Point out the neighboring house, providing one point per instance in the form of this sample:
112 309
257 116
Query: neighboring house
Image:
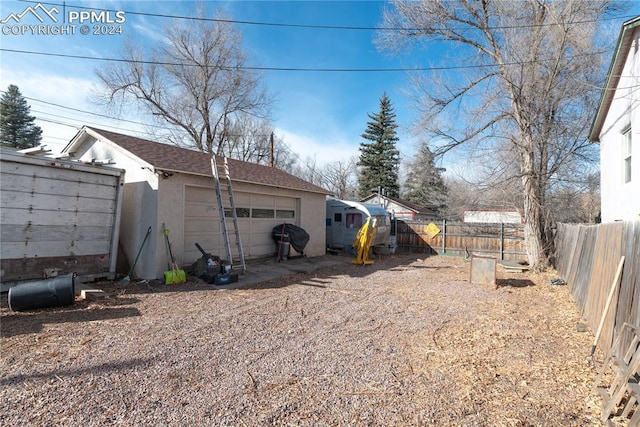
494 216
402 209
616 126
173 185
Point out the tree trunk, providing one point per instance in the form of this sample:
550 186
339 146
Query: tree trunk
534 235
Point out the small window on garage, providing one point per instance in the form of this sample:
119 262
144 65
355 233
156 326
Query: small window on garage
262 213
337 217
242 212
285 213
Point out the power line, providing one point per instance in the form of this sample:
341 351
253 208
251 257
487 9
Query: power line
57 122
55 137
85 112
286 69
92 113
297 69
312 26
97 125
234 135
134 61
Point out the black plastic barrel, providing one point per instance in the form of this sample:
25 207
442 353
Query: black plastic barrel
54 292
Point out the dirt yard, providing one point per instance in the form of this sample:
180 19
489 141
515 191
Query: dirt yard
405 341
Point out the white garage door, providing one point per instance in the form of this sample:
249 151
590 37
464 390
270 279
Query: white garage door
257 215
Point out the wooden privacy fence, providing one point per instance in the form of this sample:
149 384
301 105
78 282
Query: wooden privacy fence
587 259
500 241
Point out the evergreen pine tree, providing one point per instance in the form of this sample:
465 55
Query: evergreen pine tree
379 158
17 127
424 184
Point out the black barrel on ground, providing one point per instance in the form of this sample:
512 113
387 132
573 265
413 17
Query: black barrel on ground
54 292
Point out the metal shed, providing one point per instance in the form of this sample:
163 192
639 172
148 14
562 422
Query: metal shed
57 217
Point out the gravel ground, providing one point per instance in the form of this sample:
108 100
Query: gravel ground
405 341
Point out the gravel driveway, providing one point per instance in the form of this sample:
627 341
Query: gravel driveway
405 341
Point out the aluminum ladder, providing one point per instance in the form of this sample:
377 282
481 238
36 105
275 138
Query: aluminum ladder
223 216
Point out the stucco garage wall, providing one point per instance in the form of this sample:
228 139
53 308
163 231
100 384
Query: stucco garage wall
140 195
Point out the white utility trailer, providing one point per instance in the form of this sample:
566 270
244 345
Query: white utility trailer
344 219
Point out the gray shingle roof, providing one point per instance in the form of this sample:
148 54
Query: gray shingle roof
183 160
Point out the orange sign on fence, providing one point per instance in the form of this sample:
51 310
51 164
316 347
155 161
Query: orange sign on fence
432 230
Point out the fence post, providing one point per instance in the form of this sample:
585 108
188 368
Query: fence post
501 241
444 236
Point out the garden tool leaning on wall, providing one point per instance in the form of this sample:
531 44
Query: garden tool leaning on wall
127 278
173 275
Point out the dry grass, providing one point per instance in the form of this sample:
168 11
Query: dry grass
403 342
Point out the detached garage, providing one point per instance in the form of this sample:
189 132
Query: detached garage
173 185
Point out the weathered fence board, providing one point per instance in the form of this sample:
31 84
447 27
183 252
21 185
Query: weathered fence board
608 246
500 241
587 258
580 269
628 309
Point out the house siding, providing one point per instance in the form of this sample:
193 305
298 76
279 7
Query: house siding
620 200
493 217
400 211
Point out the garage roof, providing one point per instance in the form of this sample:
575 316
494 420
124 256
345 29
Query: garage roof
171 158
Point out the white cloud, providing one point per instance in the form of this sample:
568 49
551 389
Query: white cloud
68 90
150 32
331 149
61 105
58 125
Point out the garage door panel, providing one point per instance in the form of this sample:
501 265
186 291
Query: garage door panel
262 240
242 199
202 225
209 243
285 203
200 194
262 201
193 209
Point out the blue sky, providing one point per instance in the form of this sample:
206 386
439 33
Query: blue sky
318 114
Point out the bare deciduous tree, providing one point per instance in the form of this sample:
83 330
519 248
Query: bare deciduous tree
341 178
530 86
196 80
253 139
